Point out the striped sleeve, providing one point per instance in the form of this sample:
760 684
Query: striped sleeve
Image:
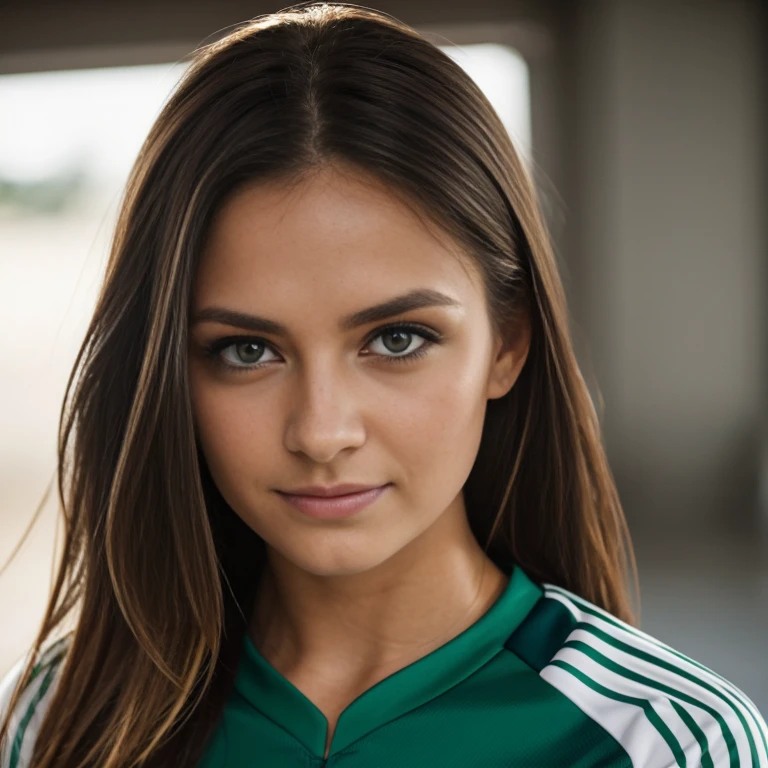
662 707
27 716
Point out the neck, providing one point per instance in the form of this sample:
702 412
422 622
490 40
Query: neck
369 624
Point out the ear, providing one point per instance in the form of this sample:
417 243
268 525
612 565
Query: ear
509 357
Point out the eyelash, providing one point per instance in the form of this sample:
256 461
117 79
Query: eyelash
430 337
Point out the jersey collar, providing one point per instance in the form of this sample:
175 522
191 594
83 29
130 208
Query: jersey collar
419 682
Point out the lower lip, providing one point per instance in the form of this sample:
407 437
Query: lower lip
334 507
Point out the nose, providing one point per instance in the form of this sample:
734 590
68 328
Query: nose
325 418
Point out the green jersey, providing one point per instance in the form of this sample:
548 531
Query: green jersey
543 678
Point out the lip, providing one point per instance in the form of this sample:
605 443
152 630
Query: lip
342 505
331 490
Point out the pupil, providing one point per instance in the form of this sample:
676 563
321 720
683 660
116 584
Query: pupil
405 340
248 352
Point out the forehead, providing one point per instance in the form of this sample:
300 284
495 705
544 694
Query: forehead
336 236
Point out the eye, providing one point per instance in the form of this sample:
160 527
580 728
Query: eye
397 341
242 353
246 353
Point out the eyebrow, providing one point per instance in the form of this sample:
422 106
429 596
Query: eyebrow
417 299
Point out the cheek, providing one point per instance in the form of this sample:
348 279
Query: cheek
435 432
236 436
425 434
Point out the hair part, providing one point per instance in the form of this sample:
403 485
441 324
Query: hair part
148 670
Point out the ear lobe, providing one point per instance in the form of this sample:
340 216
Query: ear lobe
510 359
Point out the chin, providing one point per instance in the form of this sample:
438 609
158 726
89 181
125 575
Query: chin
329 559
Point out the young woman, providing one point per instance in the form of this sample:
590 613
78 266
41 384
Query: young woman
333 485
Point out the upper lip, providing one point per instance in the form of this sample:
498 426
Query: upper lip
330 490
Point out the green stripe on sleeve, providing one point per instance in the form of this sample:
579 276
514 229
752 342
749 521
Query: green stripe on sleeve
645 705
693 727
16 749
737 694
604 661
655 660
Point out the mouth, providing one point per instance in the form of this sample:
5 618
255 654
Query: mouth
334 507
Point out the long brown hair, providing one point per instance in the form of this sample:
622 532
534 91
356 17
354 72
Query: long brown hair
161 572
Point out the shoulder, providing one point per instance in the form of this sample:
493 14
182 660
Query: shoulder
664 708
30 709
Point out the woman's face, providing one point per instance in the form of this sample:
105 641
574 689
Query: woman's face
324 402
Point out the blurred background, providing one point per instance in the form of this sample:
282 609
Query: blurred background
644 125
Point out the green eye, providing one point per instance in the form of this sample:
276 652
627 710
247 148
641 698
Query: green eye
239 353
242 354
248 352
402 340
398 340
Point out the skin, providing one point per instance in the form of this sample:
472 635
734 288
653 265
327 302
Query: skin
345 603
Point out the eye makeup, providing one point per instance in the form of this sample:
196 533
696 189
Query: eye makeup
215 350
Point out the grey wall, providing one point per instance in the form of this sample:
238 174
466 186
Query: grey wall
670 249
664 245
